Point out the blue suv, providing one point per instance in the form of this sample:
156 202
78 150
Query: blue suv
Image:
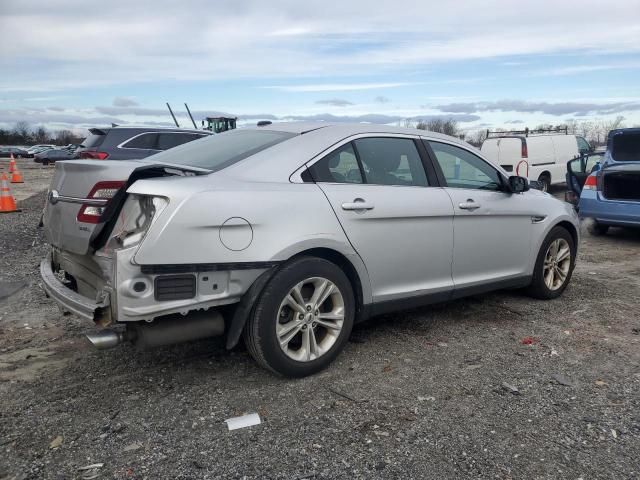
610 192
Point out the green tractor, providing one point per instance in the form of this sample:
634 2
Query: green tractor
220 124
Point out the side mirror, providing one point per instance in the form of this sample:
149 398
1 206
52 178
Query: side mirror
518 184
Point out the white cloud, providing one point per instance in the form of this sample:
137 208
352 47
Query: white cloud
167 40
337 87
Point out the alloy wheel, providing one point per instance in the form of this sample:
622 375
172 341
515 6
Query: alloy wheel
557 262
310 319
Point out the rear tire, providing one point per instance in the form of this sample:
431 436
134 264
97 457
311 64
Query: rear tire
597 229
554 265
286 308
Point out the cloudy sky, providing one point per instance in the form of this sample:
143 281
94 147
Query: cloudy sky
73 63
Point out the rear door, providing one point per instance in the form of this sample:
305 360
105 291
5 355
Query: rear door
398 222
492 228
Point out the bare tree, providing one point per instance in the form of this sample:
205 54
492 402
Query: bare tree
21 132
41 135
476 138
447 126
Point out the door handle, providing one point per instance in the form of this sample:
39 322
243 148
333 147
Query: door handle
470 204
358 204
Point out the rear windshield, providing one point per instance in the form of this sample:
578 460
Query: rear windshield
93 140
220 150
626 147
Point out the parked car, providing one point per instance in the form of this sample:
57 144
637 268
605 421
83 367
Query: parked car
610 195
6 152
53 155
535 154
40 146
289 233
126 143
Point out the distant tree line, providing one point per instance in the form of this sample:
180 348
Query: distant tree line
23 134
595 131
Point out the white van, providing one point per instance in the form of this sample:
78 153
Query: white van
534 154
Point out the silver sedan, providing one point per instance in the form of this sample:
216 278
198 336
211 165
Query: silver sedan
288 234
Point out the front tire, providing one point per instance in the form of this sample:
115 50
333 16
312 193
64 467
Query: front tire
554 265
303 318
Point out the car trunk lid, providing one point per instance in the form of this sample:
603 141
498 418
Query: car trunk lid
67 227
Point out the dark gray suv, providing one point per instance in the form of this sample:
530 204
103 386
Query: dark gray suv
127 143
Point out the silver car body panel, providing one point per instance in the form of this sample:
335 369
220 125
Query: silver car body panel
416 241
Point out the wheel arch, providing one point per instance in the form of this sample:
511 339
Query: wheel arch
342 262
354 270
571 228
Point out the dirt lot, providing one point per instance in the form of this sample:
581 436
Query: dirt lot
424 394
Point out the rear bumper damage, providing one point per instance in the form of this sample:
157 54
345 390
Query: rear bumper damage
107 289
70 300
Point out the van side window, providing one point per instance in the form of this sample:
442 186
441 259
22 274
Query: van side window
583 145
463 169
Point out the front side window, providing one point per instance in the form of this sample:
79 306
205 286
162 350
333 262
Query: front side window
391 161
340 166
145 141
463 169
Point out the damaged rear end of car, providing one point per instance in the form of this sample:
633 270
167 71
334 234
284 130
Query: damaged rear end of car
95 225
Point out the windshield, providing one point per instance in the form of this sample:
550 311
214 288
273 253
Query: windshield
626 147
223 149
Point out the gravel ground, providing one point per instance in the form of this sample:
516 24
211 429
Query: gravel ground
495 386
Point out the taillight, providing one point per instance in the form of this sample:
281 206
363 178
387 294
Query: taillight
101 190
591 183
524 152
93 155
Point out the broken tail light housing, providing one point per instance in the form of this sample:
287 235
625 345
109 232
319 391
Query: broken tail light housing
101 190
93 155
134 219
591 183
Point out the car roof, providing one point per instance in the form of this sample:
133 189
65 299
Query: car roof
143 128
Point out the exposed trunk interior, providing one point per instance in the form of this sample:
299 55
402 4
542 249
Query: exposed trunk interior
622 186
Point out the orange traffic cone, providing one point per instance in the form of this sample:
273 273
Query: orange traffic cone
7 202
16 176
12 164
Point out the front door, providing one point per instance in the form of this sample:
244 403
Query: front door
492 228
401 227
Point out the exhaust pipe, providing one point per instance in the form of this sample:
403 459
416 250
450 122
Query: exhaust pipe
165 331
106 339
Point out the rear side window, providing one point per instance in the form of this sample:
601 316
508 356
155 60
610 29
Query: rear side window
626 147
169 139
145 141
391 161
340 166
223 149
